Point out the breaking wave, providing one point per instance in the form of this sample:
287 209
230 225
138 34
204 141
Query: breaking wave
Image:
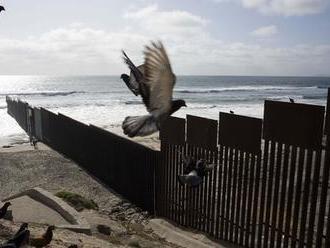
49 93
244 88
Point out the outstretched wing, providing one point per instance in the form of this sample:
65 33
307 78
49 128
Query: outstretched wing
134 84
159 79
133 79
136 76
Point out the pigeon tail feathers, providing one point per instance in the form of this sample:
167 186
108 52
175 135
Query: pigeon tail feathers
139 125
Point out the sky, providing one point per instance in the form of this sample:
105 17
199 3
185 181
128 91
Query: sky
202 37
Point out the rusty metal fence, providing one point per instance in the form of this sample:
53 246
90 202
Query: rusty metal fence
270 185
269 188
123 165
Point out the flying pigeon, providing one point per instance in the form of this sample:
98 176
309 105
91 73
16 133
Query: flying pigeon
189 164
2 8
232 112
195 176
136 77
156 90
192 179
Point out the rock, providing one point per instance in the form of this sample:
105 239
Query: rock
126 205
145 214
73 246
8 146
137 227
134 243
121 217
138 210
104 229
130 211
115 210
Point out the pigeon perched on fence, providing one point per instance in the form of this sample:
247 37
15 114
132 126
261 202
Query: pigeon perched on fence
155 88
4 209
2 8
195 177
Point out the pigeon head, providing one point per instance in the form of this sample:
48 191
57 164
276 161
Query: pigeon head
200 164
189 164
124 76
51 228
177 104
24 225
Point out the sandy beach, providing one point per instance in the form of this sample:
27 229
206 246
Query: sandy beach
23 167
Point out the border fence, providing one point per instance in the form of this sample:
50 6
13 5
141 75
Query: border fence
123 165
269 188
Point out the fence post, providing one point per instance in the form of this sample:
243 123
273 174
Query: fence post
172 137
299 126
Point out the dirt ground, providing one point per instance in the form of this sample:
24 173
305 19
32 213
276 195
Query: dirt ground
21 170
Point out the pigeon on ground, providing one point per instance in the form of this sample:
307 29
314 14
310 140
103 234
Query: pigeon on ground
156 91
136 78
4 209
20 239
16 236
195 176
291 100
44 240
2 8
34 142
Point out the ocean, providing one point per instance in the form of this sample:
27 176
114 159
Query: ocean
105 101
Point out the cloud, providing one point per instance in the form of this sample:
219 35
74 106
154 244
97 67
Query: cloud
152 19
265 32
79 49
74 49
284 7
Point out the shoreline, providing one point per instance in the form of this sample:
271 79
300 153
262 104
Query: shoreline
151 141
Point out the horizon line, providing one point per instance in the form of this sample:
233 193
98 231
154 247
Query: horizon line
180 75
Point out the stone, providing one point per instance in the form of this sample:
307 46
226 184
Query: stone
121 217
104 229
